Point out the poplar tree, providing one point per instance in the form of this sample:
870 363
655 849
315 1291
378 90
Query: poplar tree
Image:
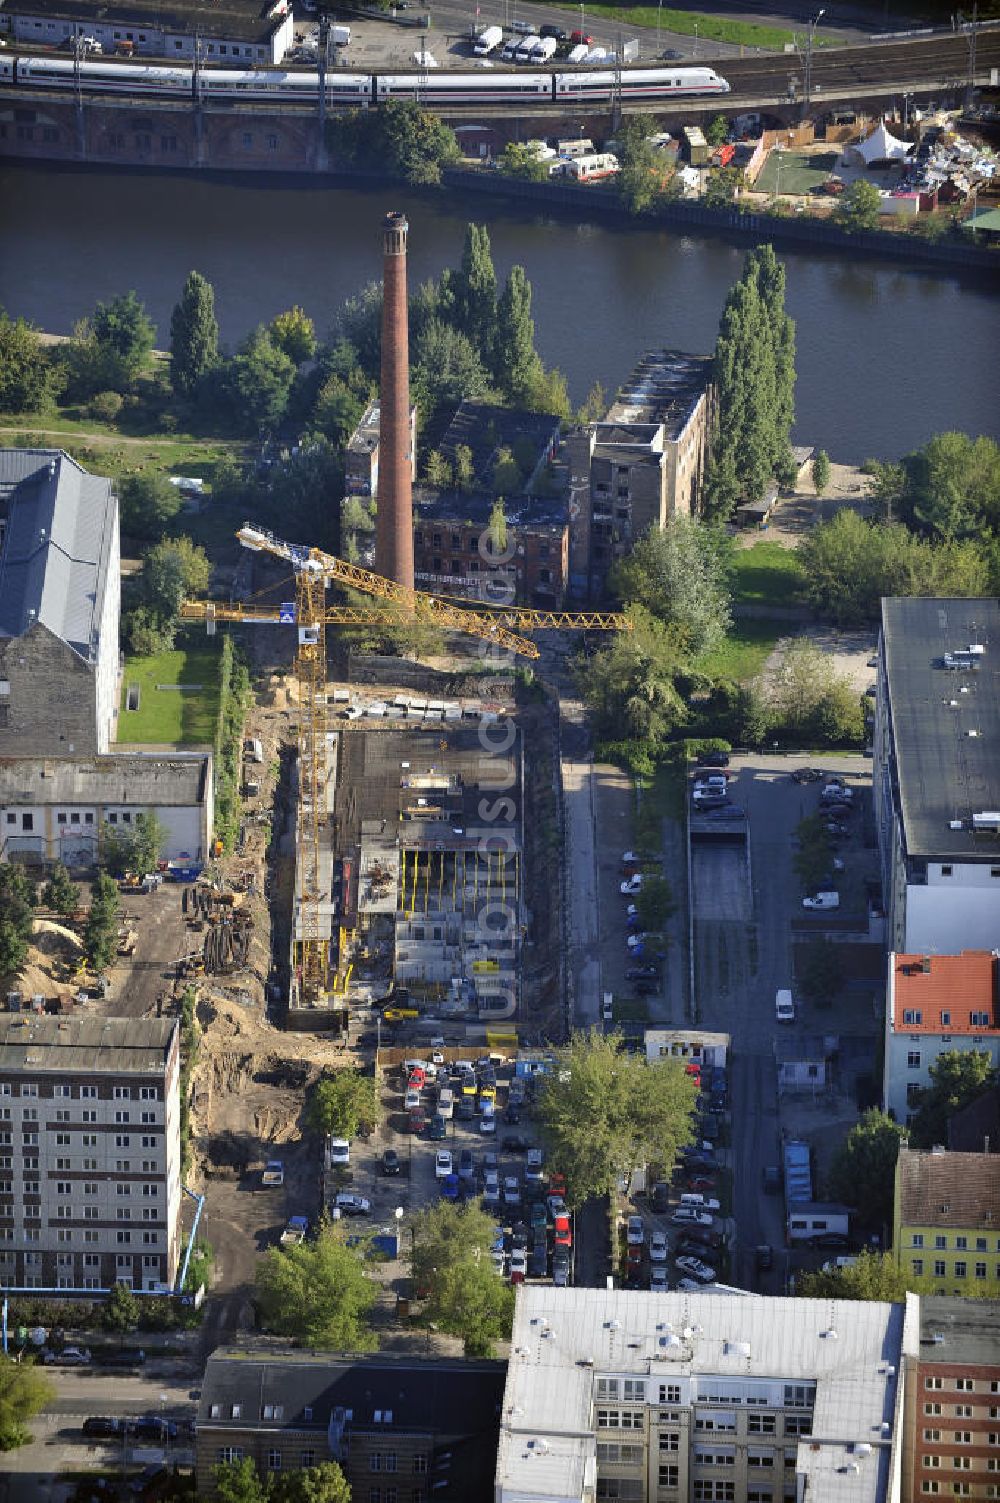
476 290
515 361
194 335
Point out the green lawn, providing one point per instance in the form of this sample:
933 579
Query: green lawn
766 574
795 171
172 716
691 23
744 652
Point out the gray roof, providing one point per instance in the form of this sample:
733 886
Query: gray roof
242 19
103 1046
563 1339
57 547
945 774
665 387
163 781
959 1331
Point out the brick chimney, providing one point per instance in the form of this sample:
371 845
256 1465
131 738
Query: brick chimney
394 513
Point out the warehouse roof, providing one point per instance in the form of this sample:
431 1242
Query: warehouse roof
937 1188
131 779
665 387
59 546
111 1046
243 20
945 723
954 994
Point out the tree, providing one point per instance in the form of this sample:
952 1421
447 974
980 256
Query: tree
324 1483
520 160
820 971
821 472
717 130
814 857
125 336
476 290
343 1103
507 481
17 900
446 368
194 336
343 394
24 1390
59 893
863 1170
875 1276
514 358
25 370
604 1112
956 1078
655 903
546 391
149 503
630 683
722 187
239 1482
464 472
260 380
100 930
318 1292
811 702
594 405
859 207
644 172
294 333
172 570
952 486
437 470
451 1261
400 138
681 574
121 1311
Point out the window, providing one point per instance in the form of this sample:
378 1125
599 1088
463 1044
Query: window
669 1475
63 1091
375 1461
124 1237
122 1093
960 1268
670 1393
963 1437
913 1060
912 1015
939 1268
122 1117
88 1092
274 1411
122 1140
798 1424
390 1461
963 1411
237 1412
932 1461
961 1243
941 1243
88 1116
708 1491
229 1453
274 1460
420 1464
965 1385
929 1487
760 1424
29 1090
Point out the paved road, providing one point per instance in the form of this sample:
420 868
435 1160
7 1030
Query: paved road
581 884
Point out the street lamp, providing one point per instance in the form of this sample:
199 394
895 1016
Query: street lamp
659 8
809 55
695 52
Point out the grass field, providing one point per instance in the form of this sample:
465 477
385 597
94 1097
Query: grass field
767 574
172 716
798 171
744 652
691 23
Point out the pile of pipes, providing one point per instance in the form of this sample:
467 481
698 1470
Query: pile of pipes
228 925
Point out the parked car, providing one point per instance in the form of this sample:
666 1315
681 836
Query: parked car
491 1188
660 1197
631 886
70 1356
562 1231
822 900
712 758
561 1263
702 1236
120 1357
438 1130
518 1265
511 1190
556 32
699 1201
412 1098
533 1168
103 1427
538 1255
764 1257
658 1246
635 1232
514 1143
155 1427
642 973
658 1282
442 1163
699 1270
829 1239
390 1162
349 1204
466 1164
340 1148
690 1216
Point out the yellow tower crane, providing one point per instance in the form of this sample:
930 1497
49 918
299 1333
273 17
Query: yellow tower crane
314 572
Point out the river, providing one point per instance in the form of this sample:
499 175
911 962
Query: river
886 356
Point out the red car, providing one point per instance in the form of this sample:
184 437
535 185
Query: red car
579 38
417 1080
557 1184
562 1232
701 1182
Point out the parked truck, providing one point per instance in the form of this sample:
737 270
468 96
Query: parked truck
295 1231
274 1174
488 41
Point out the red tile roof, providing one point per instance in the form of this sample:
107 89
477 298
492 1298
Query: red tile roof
944 991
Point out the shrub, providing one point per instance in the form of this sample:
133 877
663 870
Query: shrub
106 406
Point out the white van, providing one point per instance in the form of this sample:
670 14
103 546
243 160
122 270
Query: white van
253 749
509 52
446 1103
784 1006
527 47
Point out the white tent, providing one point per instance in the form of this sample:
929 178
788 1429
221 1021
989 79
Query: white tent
880 146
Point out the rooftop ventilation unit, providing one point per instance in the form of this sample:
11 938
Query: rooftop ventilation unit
989 819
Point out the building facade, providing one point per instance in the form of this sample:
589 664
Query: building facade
238 32
402 1429
936 773
90 1157
642 465
361 455
936 1004
704 1397
952 1415
60 602
455 553
946 1219
57 810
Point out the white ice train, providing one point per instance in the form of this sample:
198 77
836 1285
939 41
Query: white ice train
441 88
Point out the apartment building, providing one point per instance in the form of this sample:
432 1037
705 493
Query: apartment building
936 1004
404 1429
936 773
89 1152
952 1413
615 1394
946 1219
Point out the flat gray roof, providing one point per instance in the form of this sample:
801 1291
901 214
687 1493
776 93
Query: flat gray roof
57 547
962 1331
945 772
129 779
101 1046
